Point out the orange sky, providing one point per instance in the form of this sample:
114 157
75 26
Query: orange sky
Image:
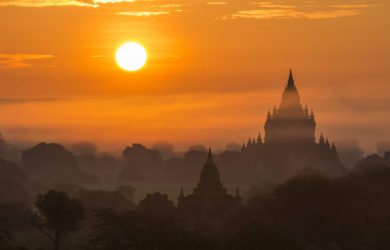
214 69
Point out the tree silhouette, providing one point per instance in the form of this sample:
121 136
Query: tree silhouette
116 200
5 238
131 230
62 215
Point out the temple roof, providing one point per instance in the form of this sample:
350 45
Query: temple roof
290 104
210 174
290 83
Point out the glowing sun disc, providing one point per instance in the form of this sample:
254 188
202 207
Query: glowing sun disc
131 56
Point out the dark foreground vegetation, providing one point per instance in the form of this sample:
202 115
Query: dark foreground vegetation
308 212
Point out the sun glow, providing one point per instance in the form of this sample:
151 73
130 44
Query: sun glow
131 56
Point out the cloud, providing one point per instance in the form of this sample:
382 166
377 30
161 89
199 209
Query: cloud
333 14
265 14
154 8
16 101
46 3
145 9
351 6
145 13
272 9
49 3
216 3
13 61
148 7
309 10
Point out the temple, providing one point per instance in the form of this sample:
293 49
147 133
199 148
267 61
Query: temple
209 201
290 123
289 144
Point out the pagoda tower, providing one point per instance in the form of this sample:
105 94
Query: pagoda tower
290 123
289 143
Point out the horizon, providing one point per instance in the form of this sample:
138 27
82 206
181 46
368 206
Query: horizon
219 143
214 67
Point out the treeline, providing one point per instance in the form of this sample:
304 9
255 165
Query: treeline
308 212
50 165
46 164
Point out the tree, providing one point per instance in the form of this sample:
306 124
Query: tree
62 215
52 163
5 239
127 191
116 200
12 180
13 217
156 204
132 230
140 163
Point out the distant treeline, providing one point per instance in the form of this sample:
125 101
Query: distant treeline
44 166
307 212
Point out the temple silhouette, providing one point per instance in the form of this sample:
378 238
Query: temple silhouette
209 202
289 144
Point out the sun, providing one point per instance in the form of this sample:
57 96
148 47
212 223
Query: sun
131 56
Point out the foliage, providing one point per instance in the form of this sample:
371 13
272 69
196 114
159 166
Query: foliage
133 230
62 215
13 217
117 200
52 163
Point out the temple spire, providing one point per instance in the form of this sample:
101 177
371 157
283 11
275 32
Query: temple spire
290 84
259 140
312 117
210 156
291 104
181 192
322 140
333 149
209 175
249 143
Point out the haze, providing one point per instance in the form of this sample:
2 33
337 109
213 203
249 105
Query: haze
214 69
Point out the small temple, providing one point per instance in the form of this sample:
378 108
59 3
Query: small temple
209 200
